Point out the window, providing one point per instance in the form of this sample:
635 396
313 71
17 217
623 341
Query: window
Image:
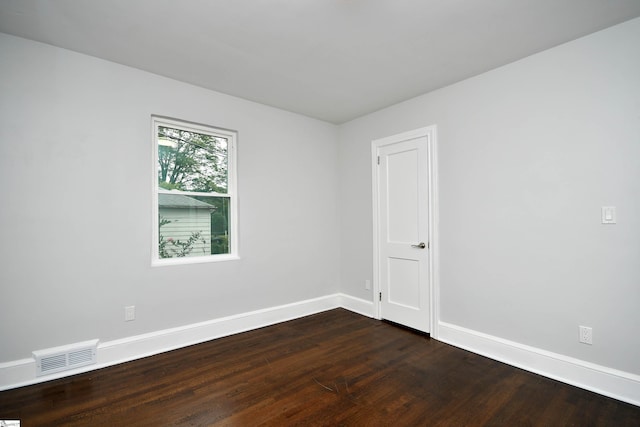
194 208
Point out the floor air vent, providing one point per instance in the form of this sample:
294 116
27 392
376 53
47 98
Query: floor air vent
66 357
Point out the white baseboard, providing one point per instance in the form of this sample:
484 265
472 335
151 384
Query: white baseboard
22 372
357 305
617 384
620 385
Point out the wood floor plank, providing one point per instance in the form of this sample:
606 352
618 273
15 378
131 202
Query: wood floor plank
333 368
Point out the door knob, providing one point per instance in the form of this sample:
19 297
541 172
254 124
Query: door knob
420 245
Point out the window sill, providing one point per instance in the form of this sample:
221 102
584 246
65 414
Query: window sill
193 260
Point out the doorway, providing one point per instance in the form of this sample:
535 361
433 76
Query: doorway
404 228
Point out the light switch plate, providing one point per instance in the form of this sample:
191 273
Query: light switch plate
608 214
130 313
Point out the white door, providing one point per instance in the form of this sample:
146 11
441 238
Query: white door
403 245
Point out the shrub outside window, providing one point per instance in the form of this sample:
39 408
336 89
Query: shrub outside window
194 208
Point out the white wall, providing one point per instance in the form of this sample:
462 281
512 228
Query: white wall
528 154
75 203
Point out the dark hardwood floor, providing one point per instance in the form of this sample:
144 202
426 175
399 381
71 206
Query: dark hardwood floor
333 368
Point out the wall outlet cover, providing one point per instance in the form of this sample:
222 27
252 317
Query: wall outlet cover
586 335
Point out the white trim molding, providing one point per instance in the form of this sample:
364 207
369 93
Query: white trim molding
22 372
357 305
610 382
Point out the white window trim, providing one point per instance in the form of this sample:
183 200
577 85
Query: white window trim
232 191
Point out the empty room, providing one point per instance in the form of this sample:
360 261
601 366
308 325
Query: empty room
335 212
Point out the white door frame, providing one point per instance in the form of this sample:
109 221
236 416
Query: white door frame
434 284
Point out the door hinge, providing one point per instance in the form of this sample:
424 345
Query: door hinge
378 159
380 296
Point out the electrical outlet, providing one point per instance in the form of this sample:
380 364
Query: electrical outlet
130 313
367 284
586 335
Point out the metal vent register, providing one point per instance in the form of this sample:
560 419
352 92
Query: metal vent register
66 357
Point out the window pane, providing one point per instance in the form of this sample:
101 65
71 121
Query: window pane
192 225
191 161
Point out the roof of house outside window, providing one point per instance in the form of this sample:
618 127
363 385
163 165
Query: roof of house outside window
180 201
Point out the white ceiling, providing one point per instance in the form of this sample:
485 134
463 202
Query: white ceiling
333 60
